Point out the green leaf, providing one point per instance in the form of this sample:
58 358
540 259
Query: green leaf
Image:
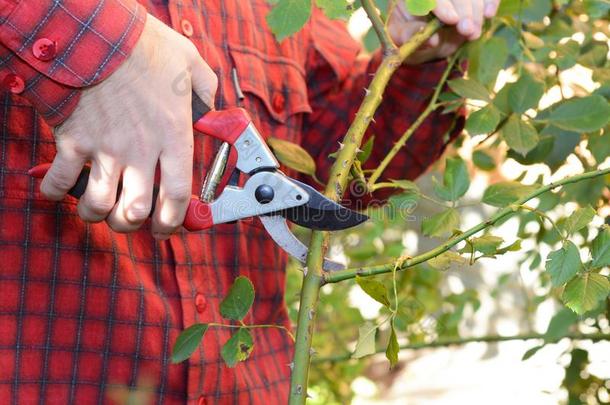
468 88
374 289
391 352
599 146
443 261
578 220
563 264
584 292
239 300
483 121
366 341
293 156
505 193
487 59
441 224
335 9
520 135
367 149
559 326
237 348
586 114
420 7
483 160
531 352
525 94
600 249
187 342
455 180
288 17
487 244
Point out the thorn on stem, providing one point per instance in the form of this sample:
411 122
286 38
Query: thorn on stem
310 314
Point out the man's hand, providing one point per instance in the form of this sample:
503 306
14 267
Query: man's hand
138 117
465 19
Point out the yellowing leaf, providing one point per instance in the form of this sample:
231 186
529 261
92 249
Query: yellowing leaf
293 156
584 292
366 341
441 224
374 289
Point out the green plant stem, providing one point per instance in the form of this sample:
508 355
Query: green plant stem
387 45
347 274
432 106
246 326
339 173
596 337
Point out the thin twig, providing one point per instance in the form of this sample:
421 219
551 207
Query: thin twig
596 337
347 274
387 45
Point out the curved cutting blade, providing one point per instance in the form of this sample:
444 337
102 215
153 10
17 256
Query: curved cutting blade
321 213
277 227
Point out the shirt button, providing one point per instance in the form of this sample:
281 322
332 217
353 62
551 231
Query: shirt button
187 28
278 102
202 401
200 303
14 83
44 49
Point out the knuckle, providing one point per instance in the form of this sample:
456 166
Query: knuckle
98 205
137 213
121 227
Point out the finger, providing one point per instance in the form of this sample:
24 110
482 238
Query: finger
135 201
465 26
204 81
403 32
62 174
445 11
175 187
100 196
477 15
491 8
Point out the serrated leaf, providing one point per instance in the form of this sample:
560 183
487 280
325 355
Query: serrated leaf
391 352
584 292
559 326
288 17
335 9
374 289
188 341
483 121
599 146
600 249
366 341
579 219
520 135
525 94
585 114
441 224
237 348
456 180
563 264
487 244
505 193
420 7
293 156
483 160
407 185
239 300
470 89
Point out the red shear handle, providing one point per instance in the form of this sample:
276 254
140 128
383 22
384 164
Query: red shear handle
226 125
198 216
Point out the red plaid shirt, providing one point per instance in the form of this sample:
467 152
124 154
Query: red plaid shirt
83 309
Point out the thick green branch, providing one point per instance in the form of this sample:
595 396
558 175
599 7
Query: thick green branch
334 189
595 337
388 267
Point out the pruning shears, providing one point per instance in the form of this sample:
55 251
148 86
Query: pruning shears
267 192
